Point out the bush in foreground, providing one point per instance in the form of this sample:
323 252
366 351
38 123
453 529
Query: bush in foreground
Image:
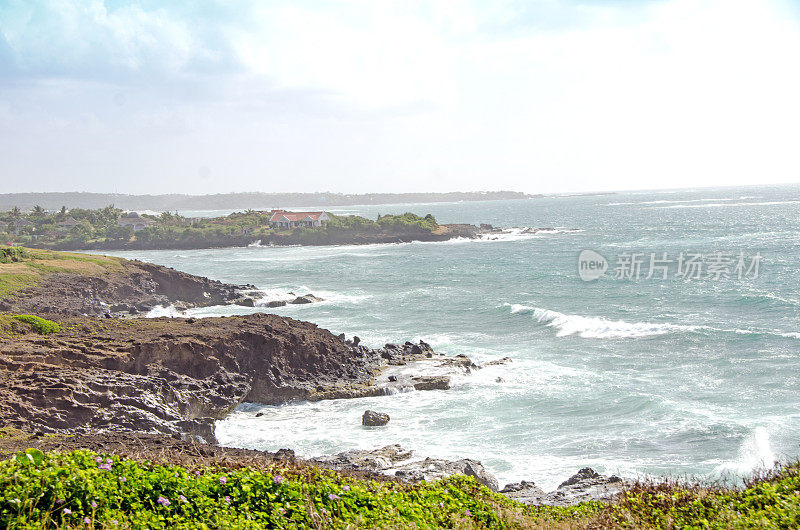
83 489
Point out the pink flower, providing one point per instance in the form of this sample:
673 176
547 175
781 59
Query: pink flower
333 497
99 459
163 501
109 461
223 479
278 479
282 511
106 467
94 504
346 488
87 520
66 511
114 522
227 498
467 513
182 498
60 501
197 473
122 479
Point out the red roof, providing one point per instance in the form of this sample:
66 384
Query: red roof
295 216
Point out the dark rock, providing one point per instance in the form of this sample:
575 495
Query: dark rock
276 303
438 382
374 419
306 299
245 302
393 378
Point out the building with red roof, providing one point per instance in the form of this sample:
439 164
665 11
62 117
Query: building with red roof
283 219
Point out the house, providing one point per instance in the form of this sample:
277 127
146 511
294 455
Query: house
135 221
283 219
67 224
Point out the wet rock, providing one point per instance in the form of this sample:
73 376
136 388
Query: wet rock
439 382
374 419
276 303
504 360
306 299
245 302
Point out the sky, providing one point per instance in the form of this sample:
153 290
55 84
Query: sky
540 96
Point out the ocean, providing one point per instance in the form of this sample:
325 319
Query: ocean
634 373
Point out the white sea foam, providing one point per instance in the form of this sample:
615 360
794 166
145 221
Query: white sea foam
596 327
755 454
162 311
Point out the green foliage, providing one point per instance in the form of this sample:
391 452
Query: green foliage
12 254
100 229
39 324
773 502
57 490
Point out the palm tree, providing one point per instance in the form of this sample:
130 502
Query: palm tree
38 211
15 212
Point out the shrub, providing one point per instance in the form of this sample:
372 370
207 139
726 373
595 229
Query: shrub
39 324
12 254
61 490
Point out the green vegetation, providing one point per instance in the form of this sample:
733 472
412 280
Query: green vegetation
100 229
12 254
21 268
82 489
40 325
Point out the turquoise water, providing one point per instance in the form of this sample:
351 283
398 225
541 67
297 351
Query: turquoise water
636 377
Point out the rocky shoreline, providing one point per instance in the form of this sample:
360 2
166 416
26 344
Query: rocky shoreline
109 378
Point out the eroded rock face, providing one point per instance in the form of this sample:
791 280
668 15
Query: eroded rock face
171 376
135 288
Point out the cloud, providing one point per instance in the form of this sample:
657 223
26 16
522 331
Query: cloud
538 96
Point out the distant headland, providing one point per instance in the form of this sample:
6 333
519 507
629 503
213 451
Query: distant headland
229 201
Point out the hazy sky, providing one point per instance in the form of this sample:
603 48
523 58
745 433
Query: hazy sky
537 96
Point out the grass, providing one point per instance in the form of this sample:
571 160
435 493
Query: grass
23 268
40 325
82 489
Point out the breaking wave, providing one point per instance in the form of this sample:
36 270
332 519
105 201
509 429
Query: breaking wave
595 327
755 454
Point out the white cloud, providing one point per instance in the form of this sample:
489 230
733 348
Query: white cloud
544 96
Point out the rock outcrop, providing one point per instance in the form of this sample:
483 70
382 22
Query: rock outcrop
585 485
374 419
393 460
172 376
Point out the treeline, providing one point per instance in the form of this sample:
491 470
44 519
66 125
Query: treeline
88 229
